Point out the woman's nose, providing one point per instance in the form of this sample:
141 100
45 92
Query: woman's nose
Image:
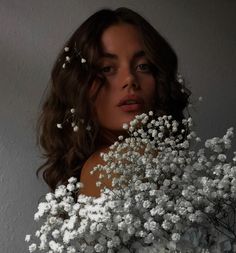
129 80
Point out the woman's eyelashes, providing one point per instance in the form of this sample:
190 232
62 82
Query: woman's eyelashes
107 69
144 67
110 69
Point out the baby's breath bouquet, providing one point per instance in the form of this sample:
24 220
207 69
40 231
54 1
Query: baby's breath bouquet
167 195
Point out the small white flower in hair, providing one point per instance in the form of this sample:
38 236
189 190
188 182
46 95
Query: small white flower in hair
72 110
75 128
180 78
88 127
66 49
68 58
59 126
83 60
64 65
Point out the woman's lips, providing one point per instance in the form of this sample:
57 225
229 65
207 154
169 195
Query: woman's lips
131 107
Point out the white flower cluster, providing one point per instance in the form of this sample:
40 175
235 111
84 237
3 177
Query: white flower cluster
163 192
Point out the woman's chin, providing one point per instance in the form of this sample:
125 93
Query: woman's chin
132 114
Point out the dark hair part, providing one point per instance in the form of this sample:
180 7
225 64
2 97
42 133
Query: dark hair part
66 151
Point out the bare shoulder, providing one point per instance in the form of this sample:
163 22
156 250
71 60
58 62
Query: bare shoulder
89 180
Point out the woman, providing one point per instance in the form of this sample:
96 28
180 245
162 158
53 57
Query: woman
113 59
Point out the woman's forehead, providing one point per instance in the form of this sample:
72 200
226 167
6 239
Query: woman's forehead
136 55
121 37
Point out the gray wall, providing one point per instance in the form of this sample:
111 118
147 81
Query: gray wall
203 34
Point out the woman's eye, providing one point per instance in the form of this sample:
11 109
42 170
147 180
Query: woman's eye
143 68
107 69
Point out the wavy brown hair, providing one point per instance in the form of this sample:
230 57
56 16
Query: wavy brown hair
66 151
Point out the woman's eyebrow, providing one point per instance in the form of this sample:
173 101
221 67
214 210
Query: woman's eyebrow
136 55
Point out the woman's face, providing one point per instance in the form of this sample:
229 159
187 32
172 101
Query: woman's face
127 72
